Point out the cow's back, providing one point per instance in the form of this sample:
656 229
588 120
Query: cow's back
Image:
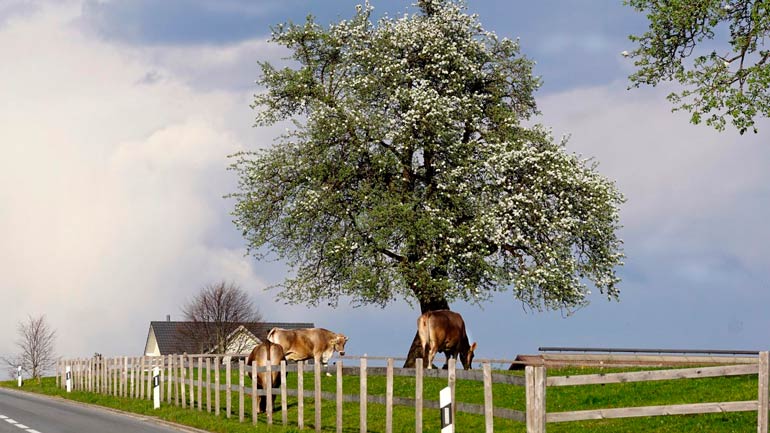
301 344
263 354
443 328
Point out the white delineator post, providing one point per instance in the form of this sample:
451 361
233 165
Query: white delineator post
156 388
68 380
18 375
445 403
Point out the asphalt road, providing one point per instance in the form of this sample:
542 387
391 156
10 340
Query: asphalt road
22 412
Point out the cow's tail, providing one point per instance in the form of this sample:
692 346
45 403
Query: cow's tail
423 331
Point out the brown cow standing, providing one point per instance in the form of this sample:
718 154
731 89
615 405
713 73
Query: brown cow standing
264 354
444 331
308 343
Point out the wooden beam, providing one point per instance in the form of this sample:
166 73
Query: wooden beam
644 376
633 412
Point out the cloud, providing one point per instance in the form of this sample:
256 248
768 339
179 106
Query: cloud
111 201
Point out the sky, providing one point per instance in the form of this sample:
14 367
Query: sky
117 119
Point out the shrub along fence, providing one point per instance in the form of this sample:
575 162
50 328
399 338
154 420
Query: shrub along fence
131 377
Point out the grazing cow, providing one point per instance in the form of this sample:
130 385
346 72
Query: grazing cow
264 354
308 343
444 331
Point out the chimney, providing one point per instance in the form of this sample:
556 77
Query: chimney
168 317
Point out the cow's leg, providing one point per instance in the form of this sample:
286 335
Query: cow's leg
432 354
263 404
449 355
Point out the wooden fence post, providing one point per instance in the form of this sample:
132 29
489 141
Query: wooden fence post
301 394
452 381
535 396
208 385
418 395
136 381
269 394
162 367
124 378
89 371
254 396
148 383
141 378
228 387
169 378
191 367
762 400
200 384
133 378
217 403
489 414
241 386
389 397
172 388
317 395
136 369
339 396
182 384
362 396
100 375
284 395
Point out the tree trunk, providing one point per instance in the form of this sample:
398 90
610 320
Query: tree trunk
415 351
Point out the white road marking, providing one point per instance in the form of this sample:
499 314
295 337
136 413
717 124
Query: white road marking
18 424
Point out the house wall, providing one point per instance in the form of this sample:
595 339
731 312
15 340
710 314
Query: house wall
151 347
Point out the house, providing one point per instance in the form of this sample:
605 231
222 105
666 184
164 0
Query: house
167 337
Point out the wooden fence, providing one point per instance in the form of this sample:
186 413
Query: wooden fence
537 382
131 377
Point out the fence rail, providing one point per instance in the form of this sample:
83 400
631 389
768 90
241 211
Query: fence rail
181 386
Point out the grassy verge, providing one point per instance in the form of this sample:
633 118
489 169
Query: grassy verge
559 399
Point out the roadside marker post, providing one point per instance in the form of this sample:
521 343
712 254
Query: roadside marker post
69 378
156 387
445 403
18 375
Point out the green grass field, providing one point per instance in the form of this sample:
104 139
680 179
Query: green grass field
736 388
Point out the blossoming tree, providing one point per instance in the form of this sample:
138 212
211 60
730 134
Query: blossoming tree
411 174
716 49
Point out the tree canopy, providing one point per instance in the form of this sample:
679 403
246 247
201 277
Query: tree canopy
716 49
410 172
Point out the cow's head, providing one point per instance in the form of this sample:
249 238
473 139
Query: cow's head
467 357
339 343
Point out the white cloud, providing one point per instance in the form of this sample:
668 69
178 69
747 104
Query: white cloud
691 191
111 208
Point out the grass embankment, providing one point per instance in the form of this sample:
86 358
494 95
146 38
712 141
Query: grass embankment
558 399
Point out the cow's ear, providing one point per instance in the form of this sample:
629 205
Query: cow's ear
473 346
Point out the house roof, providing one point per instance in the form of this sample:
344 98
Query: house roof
170 336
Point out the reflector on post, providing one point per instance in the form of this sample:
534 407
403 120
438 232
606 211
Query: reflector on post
18 375
156 388
445 403
69 378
